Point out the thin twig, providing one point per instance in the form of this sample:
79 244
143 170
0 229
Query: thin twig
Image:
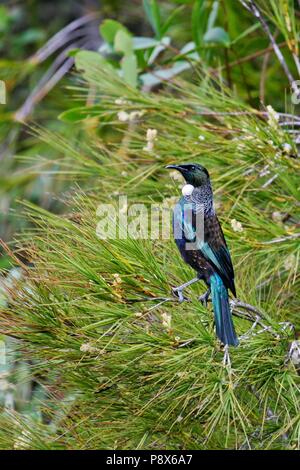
282 239
251 6
60 66
252 56
290 123
236 303
270 181
238 308
60 38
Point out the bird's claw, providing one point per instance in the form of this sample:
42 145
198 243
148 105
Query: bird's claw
226 357
294 353
204 298
178 293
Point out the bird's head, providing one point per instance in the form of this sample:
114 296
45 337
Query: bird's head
193 173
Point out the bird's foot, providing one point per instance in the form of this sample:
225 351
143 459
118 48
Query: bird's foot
226 357
204 298
294 354
178 293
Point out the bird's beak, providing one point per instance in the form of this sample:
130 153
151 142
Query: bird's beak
175 167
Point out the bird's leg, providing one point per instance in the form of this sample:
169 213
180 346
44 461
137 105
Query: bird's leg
178 290
294 354
204 297
226 358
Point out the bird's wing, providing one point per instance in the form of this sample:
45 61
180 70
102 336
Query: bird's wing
211 243
216 252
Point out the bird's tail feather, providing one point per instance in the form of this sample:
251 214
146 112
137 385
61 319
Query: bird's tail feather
223 317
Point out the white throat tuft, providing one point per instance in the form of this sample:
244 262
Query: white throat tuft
187 189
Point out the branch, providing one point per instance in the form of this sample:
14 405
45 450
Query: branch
238 303
282 239
61 37
238 308
235 305
251 6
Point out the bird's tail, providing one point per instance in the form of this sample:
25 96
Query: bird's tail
223 318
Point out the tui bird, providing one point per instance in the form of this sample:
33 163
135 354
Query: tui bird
205 250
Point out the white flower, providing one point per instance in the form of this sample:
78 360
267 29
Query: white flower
135 115
181 374
150 138
121 101
273 117
287 148
290 262
123 116
201 137
85 347
166 320
151 134
236 226
277 216
117 279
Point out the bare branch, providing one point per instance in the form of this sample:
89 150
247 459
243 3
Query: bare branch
59 39
251 6
282 239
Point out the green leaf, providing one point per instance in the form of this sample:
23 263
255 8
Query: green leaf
171 19
217 35
199 20
150 80
144 43
153 14
73 52
89 62
80 113
165 41
109 29
30 36
2 92
86 59
123 42
247 31
129 70
189 50
4 18
213 15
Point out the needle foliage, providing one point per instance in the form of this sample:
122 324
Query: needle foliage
114 365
